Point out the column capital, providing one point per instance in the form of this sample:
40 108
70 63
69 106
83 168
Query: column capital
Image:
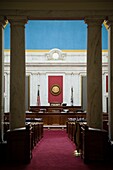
109 22
94 20
17 20
3 21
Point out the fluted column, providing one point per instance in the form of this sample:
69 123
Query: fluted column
110 76
2 22
17 72
94 72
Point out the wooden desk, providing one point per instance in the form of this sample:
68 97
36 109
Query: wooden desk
54 108
52 118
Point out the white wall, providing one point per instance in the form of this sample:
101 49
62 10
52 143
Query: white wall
39 65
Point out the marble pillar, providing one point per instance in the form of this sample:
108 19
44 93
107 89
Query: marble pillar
94 72
110 77
2 23
17 72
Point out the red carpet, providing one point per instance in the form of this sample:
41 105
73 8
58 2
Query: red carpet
55 152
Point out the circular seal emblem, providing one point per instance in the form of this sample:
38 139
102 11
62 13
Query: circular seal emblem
55 89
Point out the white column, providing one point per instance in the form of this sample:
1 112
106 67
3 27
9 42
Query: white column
2 22
110 76
94 73
17 72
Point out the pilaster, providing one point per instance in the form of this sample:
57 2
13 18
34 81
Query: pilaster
2 23
110 76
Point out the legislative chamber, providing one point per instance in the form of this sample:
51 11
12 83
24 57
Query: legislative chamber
56 72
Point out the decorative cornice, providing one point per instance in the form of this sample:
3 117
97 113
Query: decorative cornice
47 51
105 24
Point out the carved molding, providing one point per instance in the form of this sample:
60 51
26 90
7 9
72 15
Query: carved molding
55 54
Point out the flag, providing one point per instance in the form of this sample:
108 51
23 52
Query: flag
71 96
38 97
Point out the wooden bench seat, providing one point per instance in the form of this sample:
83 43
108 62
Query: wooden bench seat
19 145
